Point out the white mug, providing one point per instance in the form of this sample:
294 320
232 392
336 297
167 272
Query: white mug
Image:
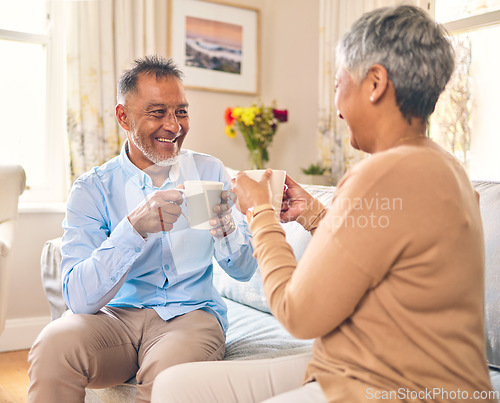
277 184
201 197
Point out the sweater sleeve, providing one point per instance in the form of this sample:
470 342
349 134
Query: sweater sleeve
353 248
311 217
307 297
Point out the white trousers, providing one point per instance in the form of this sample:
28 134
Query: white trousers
276 380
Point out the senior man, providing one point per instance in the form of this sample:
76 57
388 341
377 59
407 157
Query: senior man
137 277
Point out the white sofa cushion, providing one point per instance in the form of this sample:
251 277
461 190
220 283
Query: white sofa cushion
251 293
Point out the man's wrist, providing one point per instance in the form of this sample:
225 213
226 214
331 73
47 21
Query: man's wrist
133 224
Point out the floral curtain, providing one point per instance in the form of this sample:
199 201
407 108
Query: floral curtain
336 17
103 38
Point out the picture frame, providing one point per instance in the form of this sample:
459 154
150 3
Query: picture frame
216 44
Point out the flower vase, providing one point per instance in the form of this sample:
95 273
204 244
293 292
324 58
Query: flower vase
256 160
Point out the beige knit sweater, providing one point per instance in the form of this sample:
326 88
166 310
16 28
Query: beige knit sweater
391 285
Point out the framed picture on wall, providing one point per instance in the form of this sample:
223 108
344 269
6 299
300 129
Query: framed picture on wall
216 44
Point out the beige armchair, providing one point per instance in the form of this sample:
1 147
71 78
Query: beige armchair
12 183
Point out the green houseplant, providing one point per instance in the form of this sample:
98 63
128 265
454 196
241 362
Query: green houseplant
314 174
314 169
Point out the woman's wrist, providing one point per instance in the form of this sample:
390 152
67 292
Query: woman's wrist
260 201
310 217
253 211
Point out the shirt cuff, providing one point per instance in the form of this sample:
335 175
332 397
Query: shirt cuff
128 238
228 245
117 254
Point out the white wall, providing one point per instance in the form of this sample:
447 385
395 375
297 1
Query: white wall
28 310
289 75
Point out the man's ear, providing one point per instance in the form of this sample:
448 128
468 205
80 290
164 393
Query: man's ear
121 117
378 82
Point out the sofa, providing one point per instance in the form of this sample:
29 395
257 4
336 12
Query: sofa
12 183
253 331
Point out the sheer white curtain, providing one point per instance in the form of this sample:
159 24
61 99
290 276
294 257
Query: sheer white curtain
103 38
336 17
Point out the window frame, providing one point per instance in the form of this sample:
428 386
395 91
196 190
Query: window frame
54 189
470 24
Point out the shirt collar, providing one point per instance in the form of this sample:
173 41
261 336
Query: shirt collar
139 176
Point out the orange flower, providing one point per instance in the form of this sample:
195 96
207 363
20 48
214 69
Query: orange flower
229 117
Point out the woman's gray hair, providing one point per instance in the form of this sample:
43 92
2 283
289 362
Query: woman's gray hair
413 48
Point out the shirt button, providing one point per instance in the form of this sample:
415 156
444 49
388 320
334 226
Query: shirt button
137 249
166 267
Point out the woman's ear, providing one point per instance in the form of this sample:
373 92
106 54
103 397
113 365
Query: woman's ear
378 82
121 116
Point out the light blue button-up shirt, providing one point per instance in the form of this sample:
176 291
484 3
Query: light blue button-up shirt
105 261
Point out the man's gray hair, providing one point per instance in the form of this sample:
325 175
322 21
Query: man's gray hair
413 48
157 65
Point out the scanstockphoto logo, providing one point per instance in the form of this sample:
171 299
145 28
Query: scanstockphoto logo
365 212
433 394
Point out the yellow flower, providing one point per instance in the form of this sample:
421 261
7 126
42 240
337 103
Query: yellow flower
257 125
230 132
237 112
248 116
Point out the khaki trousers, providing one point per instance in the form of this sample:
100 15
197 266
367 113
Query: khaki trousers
276 380
112 346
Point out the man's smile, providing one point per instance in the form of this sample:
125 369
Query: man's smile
165 140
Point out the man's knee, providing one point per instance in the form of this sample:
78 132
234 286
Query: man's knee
56 337
195 337
199 338
57 345
58 363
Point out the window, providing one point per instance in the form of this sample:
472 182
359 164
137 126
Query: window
32 101
465 121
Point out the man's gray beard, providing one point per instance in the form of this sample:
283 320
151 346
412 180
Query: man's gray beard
167 162
153 158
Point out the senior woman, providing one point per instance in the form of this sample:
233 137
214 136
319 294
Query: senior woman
391 284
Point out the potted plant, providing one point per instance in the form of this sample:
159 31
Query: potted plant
314 174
